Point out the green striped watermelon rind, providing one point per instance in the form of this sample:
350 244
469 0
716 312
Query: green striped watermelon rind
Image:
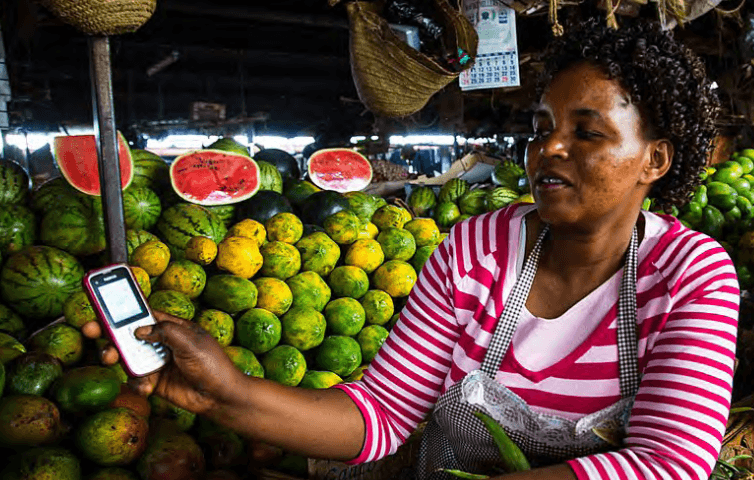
141 208
235 177
37 281
269 177
452 190
150 170
80 167
181 222
14 183
18 228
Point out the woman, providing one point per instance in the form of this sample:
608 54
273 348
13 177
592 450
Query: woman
601 336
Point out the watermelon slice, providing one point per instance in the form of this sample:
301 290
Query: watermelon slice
76 156
339 169
214 177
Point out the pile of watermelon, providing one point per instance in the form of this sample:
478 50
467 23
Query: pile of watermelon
456 200
300 285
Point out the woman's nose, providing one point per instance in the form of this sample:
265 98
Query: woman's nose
554 145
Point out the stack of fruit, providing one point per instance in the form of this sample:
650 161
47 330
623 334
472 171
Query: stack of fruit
457 201
300 287
722 208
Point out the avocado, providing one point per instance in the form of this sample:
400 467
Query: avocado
86 389
33 373
43 463
28 420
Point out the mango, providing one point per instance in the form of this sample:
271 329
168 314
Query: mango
28 420
86 389
33 373
112 437
43 463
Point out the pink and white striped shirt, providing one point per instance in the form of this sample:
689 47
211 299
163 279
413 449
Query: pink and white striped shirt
687 315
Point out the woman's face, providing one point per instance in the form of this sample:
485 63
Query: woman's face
587 163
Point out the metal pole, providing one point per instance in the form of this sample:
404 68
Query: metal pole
107 147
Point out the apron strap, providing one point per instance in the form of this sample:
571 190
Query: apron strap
508 321
627 342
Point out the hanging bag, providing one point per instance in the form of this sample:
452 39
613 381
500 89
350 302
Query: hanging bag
103 17
391 78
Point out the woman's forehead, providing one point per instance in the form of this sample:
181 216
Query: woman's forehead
584 90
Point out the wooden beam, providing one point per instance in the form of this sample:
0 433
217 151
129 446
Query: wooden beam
259 15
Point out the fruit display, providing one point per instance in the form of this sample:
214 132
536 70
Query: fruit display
339 169
299 285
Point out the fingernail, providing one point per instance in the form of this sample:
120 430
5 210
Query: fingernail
144 331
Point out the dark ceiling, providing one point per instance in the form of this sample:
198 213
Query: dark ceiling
280 66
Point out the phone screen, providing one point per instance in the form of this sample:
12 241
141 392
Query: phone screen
121 302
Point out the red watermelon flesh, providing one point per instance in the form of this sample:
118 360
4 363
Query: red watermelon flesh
214 177
339 169
76 156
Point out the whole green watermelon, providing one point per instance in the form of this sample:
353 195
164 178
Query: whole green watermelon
36 281
141 208
473 202
318 206
18 228
150 170
180 223
364 205
263 206
229 145
269 177
508 174
422 200
225 213
499 197
76 226
14 184
447 214
51 194
453 190
296 191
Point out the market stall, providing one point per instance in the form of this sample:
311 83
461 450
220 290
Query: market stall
298 263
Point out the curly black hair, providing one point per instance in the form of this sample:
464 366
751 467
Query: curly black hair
666 79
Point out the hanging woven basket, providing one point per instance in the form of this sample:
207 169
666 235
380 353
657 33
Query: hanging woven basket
391 78
103 17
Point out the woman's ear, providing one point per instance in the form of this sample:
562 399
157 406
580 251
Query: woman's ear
659 162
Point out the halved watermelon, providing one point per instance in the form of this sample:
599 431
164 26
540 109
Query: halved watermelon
339 169
214 177
76 156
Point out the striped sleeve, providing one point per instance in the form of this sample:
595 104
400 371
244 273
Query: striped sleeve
401 385
680 412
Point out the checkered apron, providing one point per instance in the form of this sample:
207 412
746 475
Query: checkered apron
454 438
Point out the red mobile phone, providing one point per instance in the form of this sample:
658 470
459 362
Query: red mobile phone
122 309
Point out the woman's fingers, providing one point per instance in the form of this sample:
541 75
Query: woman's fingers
180 335
91 330
109 355
144 385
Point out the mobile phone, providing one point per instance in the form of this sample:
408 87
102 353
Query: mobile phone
122 309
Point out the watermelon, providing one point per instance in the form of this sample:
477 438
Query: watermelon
141 208
263 206
14 183
18 228
339 169
36 281
285 163
77 227
453 190
229 145
179 223
76 157
269 177
500 197
51 194
508 174
318 206
422 200
473 202
447 214
225 213
297 191
364 205
214 177
150 170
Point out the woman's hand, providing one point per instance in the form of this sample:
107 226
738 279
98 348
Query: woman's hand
198 373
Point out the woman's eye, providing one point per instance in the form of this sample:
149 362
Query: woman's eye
587 134
540 133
